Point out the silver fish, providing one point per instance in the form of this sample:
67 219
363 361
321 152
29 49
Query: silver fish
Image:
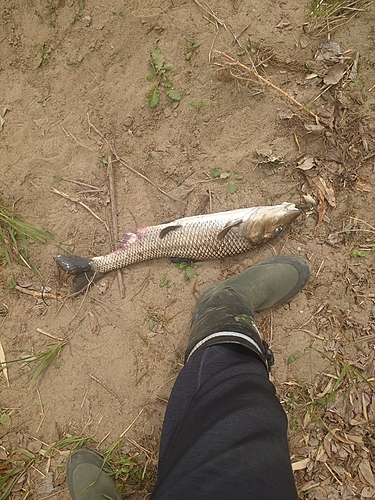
194 238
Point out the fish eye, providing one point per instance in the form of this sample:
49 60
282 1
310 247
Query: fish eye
278 230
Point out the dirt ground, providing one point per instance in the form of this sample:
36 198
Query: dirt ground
65 64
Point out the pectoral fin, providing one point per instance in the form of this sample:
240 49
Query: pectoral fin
228 227
166 230
178 260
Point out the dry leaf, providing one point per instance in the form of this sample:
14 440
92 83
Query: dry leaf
321 455
313 128
282 115
327 443
328 192
365 470
328 52
308 486
306 420
355 439
323 187
334 239
368 492
45 487
348 439
35 446
334 74
306 163
302 464
321 208
311 76
353 75
362 186
94 324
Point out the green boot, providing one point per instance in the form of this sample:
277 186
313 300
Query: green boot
88 477
225 310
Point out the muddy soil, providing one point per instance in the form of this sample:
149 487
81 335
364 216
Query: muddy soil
64 66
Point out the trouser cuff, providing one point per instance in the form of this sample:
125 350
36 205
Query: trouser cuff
227 337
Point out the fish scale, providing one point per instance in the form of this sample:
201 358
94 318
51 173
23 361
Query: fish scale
200 237
177 244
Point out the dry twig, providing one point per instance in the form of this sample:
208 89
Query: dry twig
114 233
238 64
125 164
76 200
38 295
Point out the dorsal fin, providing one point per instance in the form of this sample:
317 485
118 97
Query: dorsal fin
228 227
166 230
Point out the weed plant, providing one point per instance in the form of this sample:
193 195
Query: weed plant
14 240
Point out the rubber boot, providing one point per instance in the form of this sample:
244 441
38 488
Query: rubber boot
225 311
88 477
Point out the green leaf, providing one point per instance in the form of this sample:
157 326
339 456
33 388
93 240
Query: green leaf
5 419
181 265
173 94
358 253
157 58
294 357
232 188
150 78
153 97
216 172
188 56
224 175
190 273
167 81
238 177
168 66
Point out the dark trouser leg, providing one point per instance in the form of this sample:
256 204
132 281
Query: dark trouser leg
225 433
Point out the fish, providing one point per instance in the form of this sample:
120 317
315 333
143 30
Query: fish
196 238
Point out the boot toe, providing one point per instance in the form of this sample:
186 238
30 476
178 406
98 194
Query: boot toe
88 477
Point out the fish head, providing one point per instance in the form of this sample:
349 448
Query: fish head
267 223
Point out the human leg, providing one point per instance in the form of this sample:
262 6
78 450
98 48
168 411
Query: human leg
226 438
225 433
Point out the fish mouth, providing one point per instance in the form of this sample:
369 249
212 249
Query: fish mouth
291 212
291 207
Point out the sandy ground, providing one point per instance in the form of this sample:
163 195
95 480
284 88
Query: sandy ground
63 67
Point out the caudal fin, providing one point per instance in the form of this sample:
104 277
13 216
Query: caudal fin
80 268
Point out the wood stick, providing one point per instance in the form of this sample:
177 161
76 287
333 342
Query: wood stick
74 199
38 295
237 63
114 237
123 162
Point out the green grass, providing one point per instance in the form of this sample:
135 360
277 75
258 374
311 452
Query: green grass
335 13
15 467
15 236
127 472
43 359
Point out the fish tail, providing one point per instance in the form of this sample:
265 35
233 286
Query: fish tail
80 268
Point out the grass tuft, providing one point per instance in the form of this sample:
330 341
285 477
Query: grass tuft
335 13
14 241
44 359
